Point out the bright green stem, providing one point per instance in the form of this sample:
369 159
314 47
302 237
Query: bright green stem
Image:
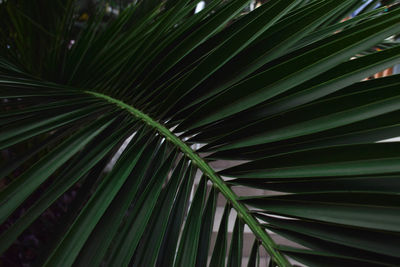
241 209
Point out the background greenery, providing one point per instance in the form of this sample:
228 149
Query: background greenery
273 89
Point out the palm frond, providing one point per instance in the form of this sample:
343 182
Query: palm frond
129 115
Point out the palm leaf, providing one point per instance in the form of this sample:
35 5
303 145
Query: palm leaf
131 116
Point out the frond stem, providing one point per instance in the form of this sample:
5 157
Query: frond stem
218 182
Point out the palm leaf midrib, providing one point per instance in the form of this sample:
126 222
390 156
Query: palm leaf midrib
217 181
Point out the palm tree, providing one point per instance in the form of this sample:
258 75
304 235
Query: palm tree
121 114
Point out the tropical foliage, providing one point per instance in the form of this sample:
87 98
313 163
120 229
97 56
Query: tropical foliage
277 90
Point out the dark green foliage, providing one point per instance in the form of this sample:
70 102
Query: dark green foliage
103 113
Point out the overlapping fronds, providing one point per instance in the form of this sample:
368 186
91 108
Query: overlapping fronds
126 114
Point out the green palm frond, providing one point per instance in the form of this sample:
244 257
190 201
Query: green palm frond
129 117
